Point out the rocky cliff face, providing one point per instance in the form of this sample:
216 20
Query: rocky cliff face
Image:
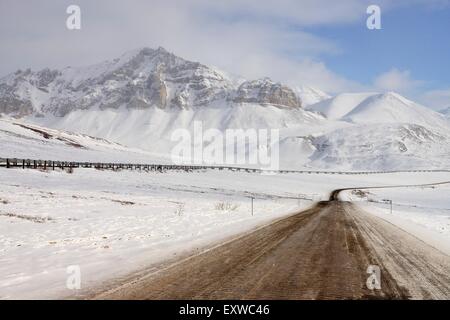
265 91
15 90
139 79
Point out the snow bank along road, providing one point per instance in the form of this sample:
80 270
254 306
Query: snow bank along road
321 253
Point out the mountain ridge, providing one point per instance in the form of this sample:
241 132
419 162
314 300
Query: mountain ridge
138 79
372 107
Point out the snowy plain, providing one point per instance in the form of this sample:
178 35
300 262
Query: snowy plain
112 224
423 211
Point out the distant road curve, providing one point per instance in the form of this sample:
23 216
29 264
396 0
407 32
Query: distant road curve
334 196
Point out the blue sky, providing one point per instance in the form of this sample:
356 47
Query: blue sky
414 38
319 43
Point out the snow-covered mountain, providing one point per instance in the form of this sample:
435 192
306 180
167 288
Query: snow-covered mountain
338 106
393 108
139 79
387 107
139 99
310 95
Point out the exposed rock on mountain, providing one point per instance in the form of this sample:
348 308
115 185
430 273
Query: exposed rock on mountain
265 91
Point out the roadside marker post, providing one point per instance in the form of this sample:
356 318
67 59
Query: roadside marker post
252 205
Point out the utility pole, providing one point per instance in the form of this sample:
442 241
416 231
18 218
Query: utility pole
252 205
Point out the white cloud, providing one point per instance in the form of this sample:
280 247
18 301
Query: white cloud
437 99
250 38
402 82
300 12
396 80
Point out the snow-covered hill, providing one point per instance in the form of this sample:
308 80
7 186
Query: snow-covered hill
310 95
393 108
152 129
338 106
387 107
317 144
22 140
382 146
